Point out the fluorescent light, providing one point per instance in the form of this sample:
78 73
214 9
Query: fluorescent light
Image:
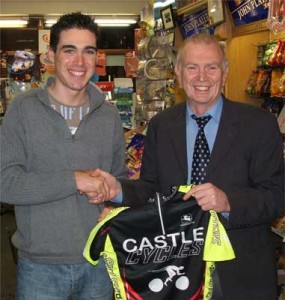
50 22
163 3
13 23
114 21
113 25
101 22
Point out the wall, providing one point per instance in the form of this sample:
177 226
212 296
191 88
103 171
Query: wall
242 53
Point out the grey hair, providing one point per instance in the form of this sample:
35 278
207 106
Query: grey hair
202 38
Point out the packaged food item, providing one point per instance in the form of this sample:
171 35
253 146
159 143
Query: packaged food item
134 155
282 84
23 66
251 83
260 55
277 83
262 82
277 59
270 49
4 64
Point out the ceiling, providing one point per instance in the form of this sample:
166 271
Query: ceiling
96 7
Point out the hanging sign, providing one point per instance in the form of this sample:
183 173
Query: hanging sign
248 11
193 23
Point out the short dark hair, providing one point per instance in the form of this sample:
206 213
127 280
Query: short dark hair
71 21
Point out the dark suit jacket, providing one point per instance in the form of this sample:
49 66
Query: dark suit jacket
247 164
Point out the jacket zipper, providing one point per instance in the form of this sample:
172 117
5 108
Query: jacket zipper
158 200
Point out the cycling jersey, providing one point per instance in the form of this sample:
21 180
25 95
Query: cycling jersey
156 252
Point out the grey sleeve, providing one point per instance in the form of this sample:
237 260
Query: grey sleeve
18 185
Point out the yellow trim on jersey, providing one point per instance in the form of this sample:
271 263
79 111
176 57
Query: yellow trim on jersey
217 243
110 215
112 265
185 188
217 246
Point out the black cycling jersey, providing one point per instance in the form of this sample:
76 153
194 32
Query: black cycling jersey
155 252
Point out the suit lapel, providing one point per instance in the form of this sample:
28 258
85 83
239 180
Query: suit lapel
177 133
226 136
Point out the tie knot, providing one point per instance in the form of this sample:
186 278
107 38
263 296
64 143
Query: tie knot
201 121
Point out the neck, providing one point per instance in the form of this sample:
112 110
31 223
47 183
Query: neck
73 98
199 110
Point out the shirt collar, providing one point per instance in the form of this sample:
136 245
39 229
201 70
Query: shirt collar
214 111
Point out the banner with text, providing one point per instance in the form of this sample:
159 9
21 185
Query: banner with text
193 23
248 11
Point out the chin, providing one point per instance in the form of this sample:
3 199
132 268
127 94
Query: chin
78 87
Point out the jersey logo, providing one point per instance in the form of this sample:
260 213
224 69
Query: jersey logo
173 272
186 219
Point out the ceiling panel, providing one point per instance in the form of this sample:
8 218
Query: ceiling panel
66 6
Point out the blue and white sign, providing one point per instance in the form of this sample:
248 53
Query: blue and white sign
193 23
248 11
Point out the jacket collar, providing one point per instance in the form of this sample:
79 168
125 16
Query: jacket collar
177 132
226 135
96 95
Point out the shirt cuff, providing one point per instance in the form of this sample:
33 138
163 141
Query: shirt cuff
226 215
118 199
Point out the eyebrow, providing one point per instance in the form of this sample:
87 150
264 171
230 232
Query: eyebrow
86 48
197 64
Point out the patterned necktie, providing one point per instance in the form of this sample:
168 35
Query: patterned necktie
201 155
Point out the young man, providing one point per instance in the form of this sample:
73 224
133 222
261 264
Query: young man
244 179
52 138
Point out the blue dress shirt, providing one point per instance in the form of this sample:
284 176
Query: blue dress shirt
210 130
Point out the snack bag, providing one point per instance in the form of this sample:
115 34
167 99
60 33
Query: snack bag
262 81
23 66
277 83
277 57
269 52
251 83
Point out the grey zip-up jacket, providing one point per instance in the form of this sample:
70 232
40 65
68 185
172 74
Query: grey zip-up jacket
38 158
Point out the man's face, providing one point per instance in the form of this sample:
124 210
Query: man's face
75 59
201 74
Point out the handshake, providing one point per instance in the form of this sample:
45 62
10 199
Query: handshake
97 185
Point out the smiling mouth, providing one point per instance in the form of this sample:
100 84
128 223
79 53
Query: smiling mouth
202 88
77 73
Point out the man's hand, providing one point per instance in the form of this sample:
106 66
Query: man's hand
114 186
92 185
104 213
209 197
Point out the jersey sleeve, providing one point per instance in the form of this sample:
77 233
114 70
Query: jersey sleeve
97 237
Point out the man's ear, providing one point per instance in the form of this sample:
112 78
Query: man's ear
225 75
177 70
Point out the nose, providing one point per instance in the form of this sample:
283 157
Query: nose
79 59
202 74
